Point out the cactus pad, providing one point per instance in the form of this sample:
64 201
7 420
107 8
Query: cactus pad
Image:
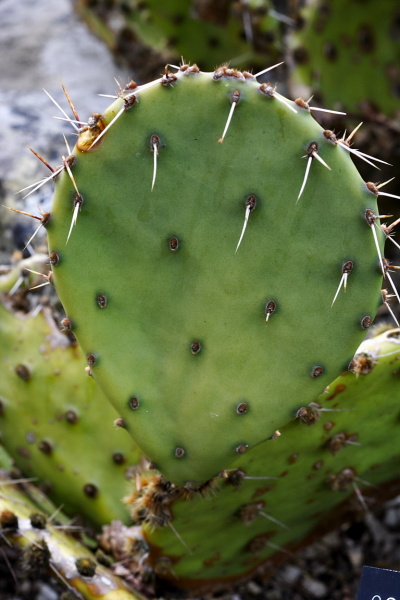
283 494
52 416
197 280
343 35
146 36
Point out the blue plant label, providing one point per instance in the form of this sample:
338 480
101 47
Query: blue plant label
379 584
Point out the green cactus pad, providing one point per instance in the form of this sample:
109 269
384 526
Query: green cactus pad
147 36
343 37
56 423
206 348
344 462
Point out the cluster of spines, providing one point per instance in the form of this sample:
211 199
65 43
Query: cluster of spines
92 131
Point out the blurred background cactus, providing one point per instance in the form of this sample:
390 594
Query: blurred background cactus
147 35
352 50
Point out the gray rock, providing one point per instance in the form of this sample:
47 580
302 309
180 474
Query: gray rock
43 42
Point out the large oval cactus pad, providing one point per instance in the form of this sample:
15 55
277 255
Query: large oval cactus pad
205 350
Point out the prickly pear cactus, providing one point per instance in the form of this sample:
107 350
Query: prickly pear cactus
335 457
342 36
202 260
148 35
54 420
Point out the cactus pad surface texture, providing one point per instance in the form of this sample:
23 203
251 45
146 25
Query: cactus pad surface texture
197 278
54 420
337 458
342 35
